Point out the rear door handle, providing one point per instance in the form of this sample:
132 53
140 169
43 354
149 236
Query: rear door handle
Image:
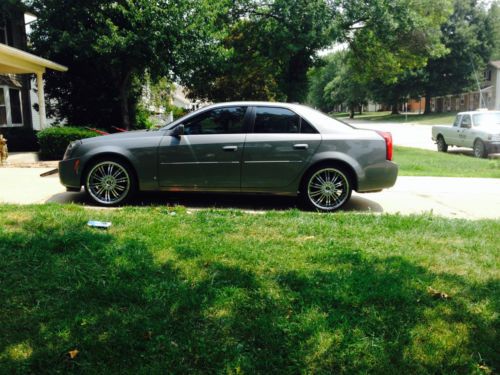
230 148
301 146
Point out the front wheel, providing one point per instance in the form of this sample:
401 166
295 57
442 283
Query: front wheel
441 144
109 182
326 189
480 149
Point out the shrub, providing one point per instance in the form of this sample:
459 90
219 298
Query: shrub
142 118
53 141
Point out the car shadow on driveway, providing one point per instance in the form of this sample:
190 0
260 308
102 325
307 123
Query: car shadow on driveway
225 201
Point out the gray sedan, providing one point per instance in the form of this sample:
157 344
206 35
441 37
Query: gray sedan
240 147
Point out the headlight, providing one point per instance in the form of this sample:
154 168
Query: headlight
71 148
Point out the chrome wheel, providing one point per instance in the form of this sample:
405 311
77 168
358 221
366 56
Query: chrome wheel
328 189
108 183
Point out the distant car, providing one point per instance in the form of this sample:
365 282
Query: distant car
479 130
242 147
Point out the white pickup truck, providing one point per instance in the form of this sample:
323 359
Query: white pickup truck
479 130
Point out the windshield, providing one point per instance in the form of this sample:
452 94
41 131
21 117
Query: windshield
482 119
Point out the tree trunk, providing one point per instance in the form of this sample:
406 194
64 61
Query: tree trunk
124 108
351 109
395 109
361 109
427 103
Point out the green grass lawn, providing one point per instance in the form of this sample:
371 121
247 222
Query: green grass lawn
417 162
430 119
235 293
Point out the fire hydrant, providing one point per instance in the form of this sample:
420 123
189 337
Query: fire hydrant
4 152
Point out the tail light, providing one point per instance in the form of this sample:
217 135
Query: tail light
388 143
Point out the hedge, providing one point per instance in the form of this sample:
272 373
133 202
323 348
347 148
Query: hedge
54 141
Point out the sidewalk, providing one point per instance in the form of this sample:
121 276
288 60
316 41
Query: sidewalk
470 198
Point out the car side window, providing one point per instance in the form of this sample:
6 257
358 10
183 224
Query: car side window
276 120
457 121
466 121
305 127
228 120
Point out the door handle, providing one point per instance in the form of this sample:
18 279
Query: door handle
301 146
230 148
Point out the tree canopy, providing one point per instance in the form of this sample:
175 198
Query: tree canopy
106 43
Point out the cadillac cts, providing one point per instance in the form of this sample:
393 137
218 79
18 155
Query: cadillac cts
242 147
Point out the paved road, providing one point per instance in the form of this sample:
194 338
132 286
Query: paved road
471 198
409 135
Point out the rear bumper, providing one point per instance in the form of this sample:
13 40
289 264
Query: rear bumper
70 173
378 176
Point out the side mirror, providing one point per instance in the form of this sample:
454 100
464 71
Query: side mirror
178 131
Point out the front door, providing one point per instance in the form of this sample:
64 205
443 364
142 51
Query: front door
209 153
278 149
465 130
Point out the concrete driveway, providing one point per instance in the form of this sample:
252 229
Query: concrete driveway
471 198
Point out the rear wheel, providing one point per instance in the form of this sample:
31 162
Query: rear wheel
441 144
326 188
109 182
480 149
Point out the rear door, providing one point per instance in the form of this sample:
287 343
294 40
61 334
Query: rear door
278 148
209 153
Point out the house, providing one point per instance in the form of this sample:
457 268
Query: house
17 69
488 96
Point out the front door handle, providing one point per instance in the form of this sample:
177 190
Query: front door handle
230 148
301 146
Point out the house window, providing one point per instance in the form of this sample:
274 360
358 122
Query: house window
487 75
11 112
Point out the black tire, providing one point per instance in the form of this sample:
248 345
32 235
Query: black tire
442 146
480 150
110 182
326 188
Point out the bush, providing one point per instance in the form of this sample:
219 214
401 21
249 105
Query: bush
142 118
53 141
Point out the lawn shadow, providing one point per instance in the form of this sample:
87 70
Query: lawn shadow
67 286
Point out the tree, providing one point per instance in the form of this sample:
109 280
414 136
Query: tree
494 21
108 43
319 76
271 45
467 35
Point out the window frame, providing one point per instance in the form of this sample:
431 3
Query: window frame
8 109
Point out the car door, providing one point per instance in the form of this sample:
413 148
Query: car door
464 133
453 137
278 148
208 154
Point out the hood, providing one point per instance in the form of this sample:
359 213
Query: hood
123 135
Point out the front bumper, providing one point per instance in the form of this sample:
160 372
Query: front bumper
492 147
70 173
